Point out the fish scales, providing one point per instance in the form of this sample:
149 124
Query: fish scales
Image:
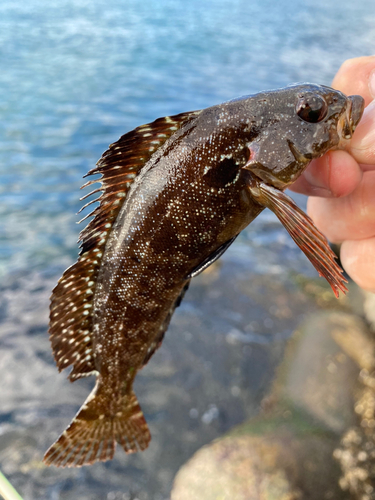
175 194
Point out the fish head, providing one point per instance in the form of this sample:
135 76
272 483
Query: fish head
295 125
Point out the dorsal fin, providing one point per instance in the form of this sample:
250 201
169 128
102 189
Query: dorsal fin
72 298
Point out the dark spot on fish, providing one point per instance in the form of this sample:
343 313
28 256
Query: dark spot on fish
167 232
224 173
136 258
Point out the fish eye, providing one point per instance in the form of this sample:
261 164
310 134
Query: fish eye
311 108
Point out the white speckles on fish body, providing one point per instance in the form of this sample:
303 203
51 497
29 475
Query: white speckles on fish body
175 194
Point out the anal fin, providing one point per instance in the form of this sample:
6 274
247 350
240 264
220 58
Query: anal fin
303 231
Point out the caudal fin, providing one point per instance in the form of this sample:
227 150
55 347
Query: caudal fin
92 435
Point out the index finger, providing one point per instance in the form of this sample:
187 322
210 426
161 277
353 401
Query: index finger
335 174
363 84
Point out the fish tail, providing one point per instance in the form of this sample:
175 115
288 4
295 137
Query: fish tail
92 435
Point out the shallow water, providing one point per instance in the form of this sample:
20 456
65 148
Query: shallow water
75 76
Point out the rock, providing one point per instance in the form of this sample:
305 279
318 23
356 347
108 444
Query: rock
317 374
286 453
369 308
240 468
291 462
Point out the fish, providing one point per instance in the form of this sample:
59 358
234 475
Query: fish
173 196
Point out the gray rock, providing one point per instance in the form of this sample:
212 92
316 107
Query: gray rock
286 453
292 461
319 373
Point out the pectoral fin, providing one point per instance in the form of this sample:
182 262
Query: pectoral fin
211 258
303 231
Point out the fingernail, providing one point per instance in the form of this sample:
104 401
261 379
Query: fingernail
368 117
363 141
371 84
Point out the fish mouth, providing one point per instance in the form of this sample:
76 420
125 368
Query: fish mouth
351 117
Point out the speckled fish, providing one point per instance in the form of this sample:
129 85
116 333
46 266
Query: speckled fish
175 194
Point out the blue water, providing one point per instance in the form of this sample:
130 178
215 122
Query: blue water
78 74
75 75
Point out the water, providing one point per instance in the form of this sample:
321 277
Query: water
75 76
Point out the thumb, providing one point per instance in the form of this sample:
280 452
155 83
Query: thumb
362 145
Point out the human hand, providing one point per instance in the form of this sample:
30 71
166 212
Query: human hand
342 183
